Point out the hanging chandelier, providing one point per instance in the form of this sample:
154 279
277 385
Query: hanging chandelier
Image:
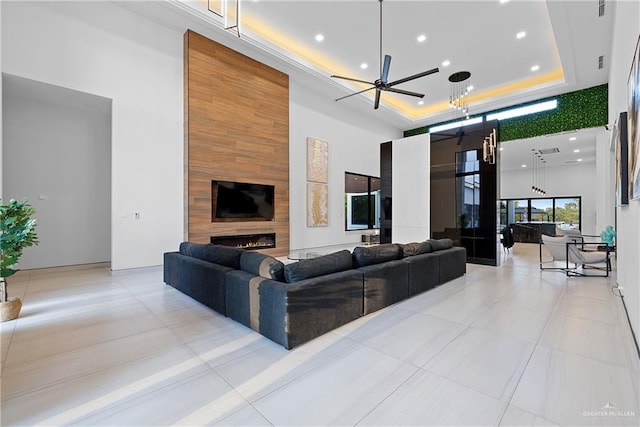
539 175
460 87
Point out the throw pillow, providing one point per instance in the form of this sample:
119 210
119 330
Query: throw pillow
320 266
262 265
222 255
440 244
416 248
363 256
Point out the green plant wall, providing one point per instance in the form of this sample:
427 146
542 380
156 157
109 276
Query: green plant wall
581 109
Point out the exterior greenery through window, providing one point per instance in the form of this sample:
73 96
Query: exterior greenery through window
565 211
361 201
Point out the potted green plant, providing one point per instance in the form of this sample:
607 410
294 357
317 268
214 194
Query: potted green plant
17 231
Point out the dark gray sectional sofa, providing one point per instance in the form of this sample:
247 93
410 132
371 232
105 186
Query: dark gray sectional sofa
294 303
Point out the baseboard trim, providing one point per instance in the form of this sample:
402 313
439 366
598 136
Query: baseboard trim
633 334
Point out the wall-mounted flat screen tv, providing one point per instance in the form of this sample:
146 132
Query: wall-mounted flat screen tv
241 201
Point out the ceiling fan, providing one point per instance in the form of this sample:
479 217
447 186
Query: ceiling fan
382 84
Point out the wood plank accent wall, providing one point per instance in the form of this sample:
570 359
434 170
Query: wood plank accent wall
236 129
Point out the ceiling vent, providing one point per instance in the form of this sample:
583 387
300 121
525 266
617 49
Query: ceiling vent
549 150
600 62
600 8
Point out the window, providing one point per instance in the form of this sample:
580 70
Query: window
362 201
564 211
467 189
517 211
542 210
567 213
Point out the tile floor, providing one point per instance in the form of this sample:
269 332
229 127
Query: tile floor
500 346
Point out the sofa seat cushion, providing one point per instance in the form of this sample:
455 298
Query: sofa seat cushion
453 263
416 248
221 255
440 244
294 313
202 280
320 266
424 272
384 284
363 256
262 265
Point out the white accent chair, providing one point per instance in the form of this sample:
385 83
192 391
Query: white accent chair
557 248
588 259
573 250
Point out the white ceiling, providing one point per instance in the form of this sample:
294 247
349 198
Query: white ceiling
514 154
564 38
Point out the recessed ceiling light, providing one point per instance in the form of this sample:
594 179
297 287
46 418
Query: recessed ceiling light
521 35
319 37
535 68
503 1
576 150
421 38
524 166
501 148
446 63
573 138
364 66
420 102
578 160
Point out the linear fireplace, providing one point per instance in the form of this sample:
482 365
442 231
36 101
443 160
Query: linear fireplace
247 241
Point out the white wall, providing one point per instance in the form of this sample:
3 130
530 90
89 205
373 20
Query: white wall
568 180
103 49
625 37
58 157
411 169
354 146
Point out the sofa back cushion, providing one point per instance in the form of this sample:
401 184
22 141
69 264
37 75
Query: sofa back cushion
363 256
320 266
221 255
262 265
416 248
440 244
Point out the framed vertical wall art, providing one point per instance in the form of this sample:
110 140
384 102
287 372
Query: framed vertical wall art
317 160
317 183
633 125
317 204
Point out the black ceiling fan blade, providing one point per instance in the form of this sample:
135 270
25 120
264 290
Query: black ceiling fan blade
376 104
415 76
355 93
405 92
385 69
351 79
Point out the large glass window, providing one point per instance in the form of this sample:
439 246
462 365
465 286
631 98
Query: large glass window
542 210
564 211
517 210
467 189
362 201
567 213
